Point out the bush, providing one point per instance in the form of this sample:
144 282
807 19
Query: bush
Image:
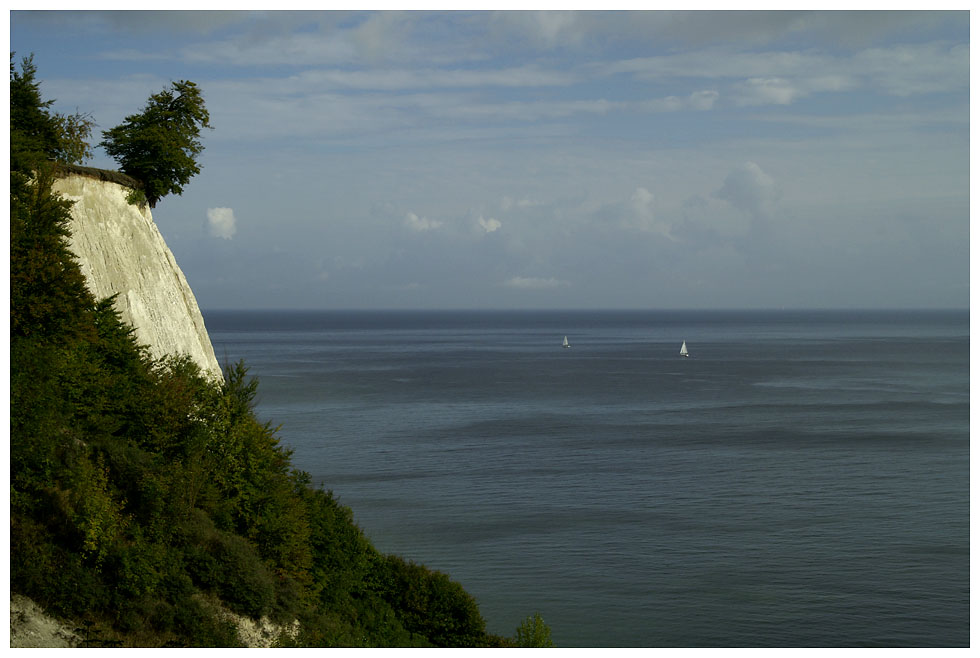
533 633
430 604
229 566
197 626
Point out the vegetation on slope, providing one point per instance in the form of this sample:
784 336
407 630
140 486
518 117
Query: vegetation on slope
146 498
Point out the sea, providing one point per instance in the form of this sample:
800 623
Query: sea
802 479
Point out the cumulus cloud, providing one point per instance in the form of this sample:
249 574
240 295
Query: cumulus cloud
534 283
642 201
489 225
750 189
417 223
221 223
639 213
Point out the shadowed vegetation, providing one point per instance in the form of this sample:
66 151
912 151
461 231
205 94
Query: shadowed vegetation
146 498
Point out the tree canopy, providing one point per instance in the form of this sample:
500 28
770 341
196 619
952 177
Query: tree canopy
159 146
44 278
36 133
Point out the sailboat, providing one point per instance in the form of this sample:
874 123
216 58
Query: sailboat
564 343
684 349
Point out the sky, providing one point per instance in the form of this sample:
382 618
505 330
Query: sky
547 159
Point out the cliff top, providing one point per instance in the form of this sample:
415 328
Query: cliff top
100 174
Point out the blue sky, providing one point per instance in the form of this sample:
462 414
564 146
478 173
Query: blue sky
548 159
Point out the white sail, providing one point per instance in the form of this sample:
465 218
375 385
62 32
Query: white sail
564 342
684 348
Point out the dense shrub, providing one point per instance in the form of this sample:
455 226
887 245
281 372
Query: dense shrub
429 604
229 566
533 633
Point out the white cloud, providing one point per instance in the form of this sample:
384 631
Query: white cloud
417 223
534 283
639 214
782 77
750 189
642 201
489 225
703 100
916 69
221 223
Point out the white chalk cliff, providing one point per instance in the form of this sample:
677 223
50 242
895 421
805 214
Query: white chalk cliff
121 251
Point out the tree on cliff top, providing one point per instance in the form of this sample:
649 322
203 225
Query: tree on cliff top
46 285
36 134
159 146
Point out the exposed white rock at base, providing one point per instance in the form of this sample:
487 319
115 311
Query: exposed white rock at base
263 634
254 634
30 628
121 251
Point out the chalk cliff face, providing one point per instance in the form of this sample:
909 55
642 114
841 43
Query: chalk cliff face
120 250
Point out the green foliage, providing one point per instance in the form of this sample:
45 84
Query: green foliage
230 566
428 603
136 197
90 508
75 131
341 554
36 134
160 145
45 281
44 277
33 131
146 498
533 633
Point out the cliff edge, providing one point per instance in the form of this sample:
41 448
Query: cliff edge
121 251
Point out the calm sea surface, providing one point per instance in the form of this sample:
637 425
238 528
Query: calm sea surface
801 480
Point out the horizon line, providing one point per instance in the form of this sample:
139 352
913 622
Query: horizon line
600 309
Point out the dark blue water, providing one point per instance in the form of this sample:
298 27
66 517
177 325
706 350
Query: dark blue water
801 480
